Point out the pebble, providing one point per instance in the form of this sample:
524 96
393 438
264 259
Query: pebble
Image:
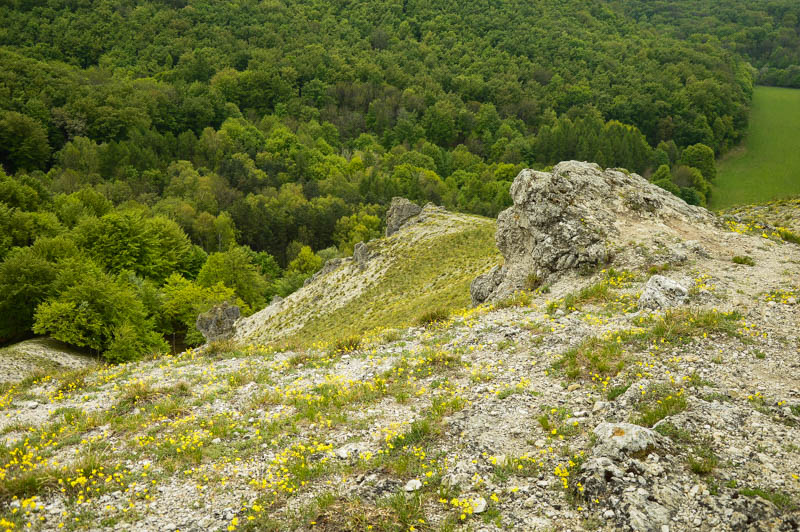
413 485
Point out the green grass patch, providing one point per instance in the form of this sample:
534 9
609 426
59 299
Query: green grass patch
658 402
594 356
434 317
608 355
676 434
141 392
782 500
766 165
616 391
702 460
347 344
744 259
520 298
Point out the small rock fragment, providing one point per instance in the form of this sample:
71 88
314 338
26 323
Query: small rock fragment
413 485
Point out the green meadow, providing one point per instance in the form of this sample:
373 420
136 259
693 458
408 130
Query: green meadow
767 165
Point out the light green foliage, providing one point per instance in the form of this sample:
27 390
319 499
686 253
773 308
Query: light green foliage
234 269
21 192
100 313
184 300
765 166
306 263
359 227
152 247
661 174
744 259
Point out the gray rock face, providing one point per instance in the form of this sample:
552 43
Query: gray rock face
568 219
619 470
399 212
218 323
617 439
361 255
483 285
662 292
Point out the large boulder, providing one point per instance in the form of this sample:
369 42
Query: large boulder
400 211
218 323
571 218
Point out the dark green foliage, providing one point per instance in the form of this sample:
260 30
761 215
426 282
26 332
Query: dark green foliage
668 185
694 189
26 280
23 142
701 157
765 33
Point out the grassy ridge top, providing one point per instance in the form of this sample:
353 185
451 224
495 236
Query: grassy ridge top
767 166
427 266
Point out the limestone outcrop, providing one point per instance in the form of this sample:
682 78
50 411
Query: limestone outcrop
400 211
218 323
575 217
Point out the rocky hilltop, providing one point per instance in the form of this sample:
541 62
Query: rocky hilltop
578 216
634 365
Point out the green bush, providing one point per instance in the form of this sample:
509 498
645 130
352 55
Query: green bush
434 317
102 314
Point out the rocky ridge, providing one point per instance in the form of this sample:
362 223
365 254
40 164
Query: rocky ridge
425 249
577 216
578 405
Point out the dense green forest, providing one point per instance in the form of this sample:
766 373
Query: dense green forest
162 156
766 32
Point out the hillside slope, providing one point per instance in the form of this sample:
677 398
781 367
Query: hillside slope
427 265
572 407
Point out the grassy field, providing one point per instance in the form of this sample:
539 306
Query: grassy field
767 165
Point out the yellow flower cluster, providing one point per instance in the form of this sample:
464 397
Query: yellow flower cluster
292 468
779 296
